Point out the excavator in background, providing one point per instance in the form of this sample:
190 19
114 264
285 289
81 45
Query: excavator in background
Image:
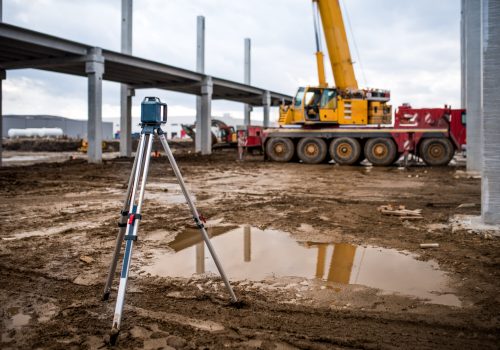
348 124
223 135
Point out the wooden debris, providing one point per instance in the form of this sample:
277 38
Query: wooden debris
401 211
429 245
87 259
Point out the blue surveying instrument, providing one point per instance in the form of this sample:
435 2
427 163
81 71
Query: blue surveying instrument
153 111
153 115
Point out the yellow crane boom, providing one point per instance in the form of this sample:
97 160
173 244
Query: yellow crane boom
337 44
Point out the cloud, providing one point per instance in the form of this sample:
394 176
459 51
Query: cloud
409 47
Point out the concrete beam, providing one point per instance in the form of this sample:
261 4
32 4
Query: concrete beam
266 103
247 77
200 68
490 48
203 129
2 77
94 68
472 88
125 92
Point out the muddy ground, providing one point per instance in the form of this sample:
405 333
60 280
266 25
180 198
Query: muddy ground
58 226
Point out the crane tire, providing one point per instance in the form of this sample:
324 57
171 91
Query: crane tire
345 150
437 151
280 149
311 150
380 151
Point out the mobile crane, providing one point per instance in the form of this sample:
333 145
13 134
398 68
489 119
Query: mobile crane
348 124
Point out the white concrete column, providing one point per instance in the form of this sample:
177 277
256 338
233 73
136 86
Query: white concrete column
2 77
94 67
462 55
204 127
247 78
125 92
126 95
266 103
200 68
472 90
490 48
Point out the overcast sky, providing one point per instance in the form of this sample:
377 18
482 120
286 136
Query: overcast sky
410 47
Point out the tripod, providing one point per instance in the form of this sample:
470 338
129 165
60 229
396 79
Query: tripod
131 217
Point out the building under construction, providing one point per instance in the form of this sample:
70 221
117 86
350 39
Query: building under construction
341 221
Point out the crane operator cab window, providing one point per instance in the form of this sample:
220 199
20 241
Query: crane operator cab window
298 98
329 99
312 101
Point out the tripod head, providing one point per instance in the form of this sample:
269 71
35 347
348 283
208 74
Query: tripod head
151 112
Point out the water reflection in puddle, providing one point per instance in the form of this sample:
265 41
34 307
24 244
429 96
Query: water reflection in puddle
250 253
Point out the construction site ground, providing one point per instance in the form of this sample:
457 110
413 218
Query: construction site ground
58 223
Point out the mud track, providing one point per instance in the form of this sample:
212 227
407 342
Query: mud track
52 215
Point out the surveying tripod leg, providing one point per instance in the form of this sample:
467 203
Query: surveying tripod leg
122 224
131 233
196 216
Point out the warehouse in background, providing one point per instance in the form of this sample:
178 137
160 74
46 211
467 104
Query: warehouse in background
71 127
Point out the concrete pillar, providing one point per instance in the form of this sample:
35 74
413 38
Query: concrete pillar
2 77
472 88
126 95
200 68
462 55
490 48
247 108
266 103
204 127
94 67
125 92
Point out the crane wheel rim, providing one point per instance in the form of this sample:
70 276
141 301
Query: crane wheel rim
279 148
380 150
311 149
344 150
436 151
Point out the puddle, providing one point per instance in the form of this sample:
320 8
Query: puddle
17 318
166 192
250 253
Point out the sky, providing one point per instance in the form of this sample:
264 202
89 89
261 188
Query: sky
409 47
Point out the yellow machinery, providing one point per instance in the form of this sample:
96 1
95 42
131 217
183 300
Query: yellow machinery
344 104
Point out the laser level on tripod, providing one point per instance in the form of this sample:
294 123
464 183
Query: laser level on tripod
153 115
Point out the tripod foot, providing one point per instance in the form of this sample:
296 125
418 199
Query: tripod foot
113 335
105 296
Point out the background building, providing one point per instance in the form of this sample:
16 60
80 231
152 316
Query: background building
71 127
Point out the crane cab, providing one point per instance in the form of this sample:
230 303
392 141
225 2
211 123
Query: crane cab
318 105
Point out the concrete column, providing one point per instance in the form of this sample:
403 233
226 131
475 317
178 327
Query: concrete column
94 67
490 48
2 77
472 89
462 55
125 92
200 68
247 108
204 127
126 95
266 103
